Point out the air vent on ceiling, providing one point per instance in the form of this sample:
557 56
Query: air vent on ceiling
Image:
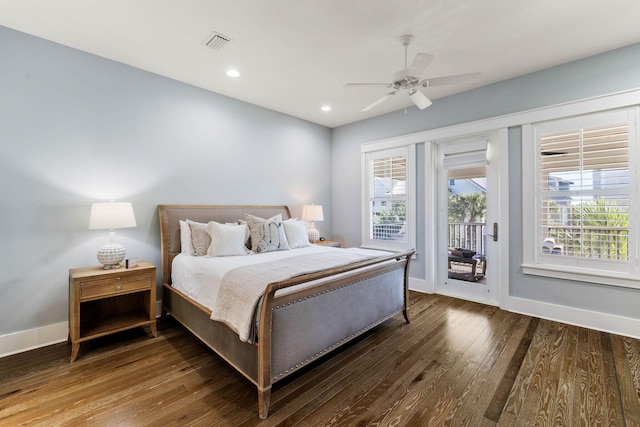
216 41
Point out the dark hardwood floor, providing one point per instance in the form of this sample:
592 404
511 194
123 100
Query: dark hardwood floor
458 363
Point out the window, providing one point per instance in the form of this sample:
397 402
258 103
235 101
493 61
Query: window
585 198
388 201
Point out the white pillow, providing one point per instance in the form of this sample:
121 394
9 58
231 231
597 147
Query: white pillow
226 239
296 232
186 247
200 238
267 235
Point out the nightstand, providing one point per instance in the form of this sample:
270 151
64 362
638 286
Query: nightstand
333 243
102 302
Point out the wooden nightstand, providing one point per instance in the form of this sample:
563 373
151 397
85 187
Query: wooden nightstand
102 302
333 243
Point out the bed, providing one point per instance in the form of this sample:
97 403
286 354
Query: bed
298 319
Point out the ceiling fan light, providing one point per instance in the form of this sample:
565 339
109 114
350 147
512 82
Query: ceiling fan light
419 99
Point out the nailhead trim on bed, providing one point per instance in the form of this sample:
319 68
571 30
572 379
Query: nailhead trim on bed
338 344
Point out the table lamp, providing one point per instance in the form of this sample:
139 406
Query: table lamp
110 216
311 213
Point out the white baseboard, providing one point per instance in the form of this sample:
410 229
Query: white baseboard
19 342
419 285
22 341
604 322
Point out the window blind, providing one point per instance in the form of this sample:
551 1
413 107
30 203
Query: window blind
388 176
584 192
387 205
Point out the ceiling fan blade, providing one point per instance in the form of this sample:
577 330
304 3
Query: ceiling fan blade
450 80
377 102
367 84
419 99
419 64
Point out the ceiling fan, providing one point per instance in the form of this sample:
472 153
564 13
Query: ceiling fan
408 80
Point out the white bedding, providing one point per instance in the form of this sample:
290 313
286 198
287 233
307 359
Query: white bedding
199 277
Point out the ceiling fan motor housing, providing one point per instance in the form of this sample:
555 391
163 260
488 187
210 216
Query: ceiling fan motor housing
402 81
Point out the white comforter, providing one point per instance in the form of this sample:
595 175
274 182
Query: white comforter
200 277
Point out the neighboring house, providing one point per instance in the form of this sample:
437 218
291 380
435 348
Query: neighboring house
465 186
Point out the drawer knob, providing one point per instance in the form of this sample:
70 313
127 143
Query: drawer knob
118 287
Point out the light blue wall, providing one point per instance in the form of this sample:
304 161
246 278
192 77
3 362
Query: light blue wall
607 73
76 129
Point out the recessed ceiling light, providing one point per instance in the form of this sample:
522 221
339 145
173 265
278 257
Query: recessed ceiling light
233 73
325 108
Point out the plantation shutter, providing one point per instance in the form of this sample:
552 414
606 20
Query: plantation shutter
388 195
391 174
584 189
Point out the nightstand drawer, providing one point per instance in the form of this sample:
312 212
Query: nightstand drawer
114 286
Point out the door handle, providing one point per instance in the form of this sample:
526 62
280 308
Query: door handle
494 236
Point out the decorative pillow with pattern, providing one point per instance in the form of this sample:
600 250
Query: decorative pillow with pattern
267 235
200 238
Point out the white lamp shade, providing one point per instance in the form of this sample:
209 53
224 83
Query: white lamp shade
111 215
312 213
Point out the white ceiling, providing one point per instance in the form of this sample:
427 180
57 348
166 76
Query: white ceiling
296 55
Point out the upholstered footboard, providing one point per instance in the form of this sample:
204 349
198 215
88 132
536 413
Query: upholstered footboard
310 327
297 328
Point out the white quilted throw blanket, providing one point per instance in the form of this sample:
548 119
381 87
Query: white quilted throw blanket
243 287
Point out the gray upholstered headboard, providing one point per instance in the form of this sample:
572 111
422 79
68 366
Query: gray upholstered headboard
170 215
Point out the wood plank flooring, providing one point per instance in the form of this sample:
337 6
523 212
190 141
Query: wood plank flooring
458 363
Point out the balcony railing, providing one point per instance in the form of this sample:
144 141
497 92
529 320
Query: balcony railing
609 243
388 231
468 235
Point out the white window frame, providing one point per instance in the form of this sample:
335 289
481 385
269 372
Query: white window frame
389 149
620 273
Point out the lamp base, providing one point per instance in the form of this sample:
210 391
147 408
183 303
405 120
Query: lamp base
111 255
314 235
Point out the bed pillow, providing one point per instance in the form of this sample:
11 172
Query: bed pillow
296 232
200 238
267 235
226 239
247 235
186 247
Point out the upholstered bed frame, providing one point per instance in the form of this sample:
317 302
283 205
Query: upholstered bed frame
298 327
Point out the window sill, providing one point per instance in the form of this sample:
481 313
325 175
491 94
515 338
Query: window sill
624 280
